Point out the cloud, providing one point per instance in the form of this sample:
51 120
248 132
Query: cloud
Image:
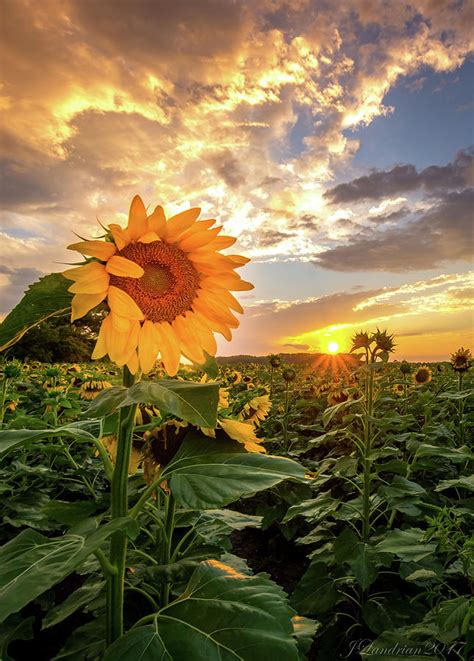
405 178
442 234
13 283
437 311
297 347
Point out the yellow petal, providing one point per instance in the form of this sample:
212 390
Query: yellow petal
179 223
243 433
132 364
197 239
100 348
95 286
116 339
238 260
147 346
226 297
157 221
219 243
124 267
190 345
89 271
149 237
206 303
83 303
131 344
121 236
214 325
123 305
168 346
230 281
137 219
101 249
202 332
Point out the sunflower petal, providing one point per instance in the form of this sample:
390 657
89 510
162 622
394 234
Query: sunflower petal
187 336
157 222
101 249
197 239
169 347
230 281
123 305
137 218
100 348
149 237
124 267
147 346
83 303
132 363
132 342
95 286
89 271
116 339
202 332
179 223
121 236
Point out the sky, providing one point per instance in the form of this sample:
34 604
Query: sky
334 139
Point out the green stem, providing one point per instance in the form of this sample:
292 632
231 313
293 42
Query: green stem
3 396
170 509
287 396
271 381
119 508
367 464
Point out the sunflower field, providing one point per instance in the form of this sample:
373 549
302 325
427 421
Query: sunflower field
160 504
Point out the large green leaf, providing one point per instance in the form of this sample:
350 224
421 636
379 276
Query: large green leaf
406 545
207 473
316 592
46 298
222 615
31 563
194 402
10 438
359 555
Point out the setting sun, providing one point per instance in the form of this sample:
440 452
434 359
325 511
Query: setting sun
333 347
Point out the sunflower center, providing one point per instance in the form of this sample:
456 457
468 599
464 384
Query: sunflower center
169 284
156 280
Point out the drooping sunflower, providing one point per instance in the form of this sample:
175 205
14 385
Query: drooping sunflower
461 360
422 375
167 286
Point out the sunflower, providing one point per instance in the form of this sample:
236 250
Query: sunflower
422 375
167 286
257 409
92 386
398 389
461 360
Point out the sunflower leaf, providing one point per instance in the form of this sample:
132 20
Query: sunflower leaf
193 402
44 299
222 614
207 473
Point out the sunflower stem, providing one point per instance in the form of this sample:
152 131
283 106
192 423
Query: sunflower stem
119 508
170 508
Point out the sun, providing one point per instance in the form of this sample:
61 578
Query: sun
333 347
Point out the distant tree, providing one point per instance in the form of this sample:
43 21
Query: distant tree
56 340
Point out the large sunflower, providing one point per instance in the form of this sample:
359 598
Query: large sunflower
167 288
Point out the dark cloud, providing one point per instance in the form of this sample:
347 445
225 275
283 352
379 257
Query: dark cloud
444 233
19 281
308 221
391 216
268 238
227 166
405 178
298 347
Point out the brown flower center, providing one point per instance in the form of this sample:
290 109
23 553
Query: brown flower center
169 284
